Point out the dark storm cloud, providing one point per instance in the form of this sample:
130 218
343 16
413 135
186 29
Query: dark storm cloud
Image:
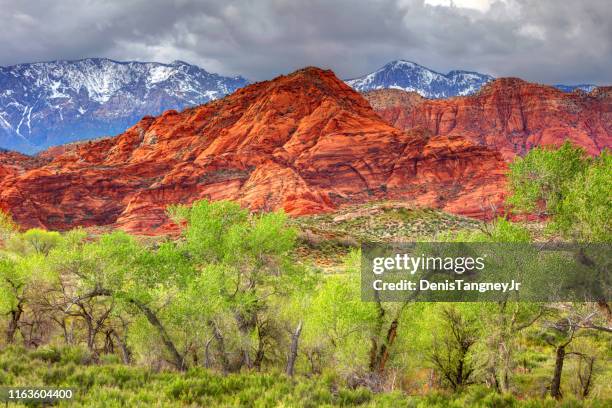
540 40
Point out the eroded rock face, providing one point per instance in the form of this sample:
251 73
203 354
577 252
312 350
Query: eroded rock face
305 143
508 114
13 164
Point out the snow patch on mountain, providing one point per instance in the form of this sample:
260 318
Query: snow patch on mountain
49 103
410 76
160 74
571 88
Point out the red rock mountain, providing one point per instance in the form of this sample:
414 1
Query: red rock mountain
508 114
305 143
13 164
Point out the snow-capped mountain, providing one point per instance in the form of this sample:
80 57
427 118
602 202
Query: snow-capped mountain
410 76
50 103
570 88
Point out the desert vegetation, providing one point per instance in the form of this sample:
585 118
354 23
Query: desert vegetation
235 312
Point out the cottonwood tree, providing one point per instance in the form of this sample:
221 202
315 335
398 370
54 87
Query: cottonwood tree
95 277
359 338
339 325
14 281
244 265
7 226
504 320
218 280
585 208
574 190
452 353
569 321
570 187
385 333
589 358
21 265
540 181
69 301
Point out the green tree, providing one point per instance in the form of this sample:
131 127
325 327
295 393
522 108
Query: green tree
540 180
7 226
339 324
453 350
567 185
565 324
586 209
21 268
505 320
244 263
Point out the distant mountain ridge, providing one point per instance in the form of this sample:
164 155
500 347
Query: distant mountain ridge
50 103
571 88
46 104
410 76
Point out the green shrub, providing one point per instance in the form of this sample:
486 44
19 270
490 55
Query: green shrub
48 354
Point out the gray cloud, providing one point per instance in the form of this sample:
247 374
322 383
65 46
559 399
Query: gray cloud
540 40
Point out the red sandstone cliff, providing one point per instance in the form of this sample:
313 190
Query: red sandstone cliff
305 143
508 114
13 164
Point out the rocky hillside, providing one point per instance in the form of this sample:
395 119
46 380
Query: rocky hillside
51 103
305 143
14 164
508 114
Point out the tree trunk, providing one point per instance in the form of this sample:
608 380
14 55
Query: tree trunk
383 355
604 307
221 346
246 358
64 325
555 386
109 343
374 355
90 334
14 323
293 350
207 362
431 381
585 375
126 354
246 323
259 355
505 371
177 360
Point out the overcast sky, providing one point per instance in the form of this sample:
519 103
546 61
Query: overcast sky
549 41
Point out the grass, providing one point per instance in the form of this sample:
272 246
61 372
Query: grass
110 384
326 238
385 222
